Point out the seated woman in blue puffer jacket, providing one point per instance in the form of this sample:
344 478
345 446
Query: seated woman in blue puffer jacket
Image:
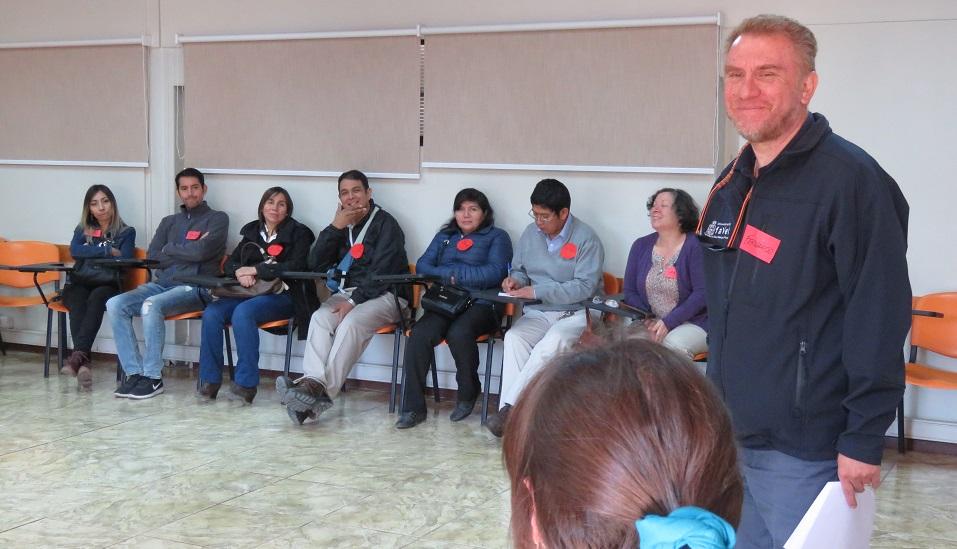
470 252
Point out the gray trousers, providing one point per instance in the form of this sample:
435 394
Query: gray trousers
334 346
778 490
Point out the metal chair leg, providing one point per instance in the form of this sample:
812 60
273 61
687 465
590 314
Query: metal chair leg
61 346
402 394
488 377
46 351
395 369
3 346
229 353
901 441
435 377
288 359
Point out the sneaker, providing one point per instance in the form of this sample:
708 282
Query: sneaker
299 417
407 420
305 395
208 391
123 391
496 423
283 385
238 393
146 388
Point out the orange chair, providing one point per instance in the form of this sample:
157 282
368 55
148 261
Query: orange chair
611 283
26 252
934 329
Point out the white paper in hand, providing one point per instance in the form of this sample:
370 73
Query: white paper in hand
831 523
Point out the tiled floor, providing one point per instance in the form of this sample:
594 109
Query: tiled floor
85 469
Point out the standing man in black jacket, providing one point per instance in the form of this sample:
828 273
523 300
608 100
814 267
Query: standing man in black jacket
808 292
363 240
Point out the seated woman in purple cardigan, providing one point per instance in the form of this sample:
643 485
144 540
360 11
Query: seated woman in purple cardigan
665 275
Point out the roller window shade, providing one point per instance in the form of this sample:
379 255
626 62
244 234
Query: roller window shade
74 104
630 97
324 105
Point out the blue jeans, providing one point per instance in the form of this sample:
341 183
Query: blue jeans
778 490
245 315
154 303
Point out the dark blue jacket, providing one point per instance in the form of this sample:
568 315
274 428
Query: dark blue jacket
85 246
692 306
482 266
807 350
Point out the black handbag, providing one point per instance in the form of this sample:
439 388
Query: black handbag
91 274
446 300
261 287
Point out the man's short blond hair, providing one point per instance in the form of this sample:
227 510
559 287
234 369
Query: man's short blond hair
799 35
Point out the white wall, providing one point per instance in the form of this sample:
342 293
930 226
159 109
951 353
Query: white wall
886 81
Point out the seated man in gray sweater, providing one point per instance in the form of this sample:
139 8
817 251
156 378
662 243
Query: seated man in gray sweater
558 260
191 242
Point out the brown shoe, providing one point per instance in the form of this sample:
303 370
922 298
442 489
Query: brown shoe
73 363
208 391
241 394
496 423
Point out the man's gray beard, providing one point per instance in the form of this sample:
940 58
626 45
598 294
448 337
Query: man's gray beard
771 133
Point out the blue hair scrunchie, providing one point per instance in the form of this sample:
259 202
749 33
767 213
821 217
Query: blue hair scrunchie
692 527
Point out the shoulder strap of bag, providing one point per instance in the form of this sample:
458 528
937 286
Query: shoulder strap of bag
346 262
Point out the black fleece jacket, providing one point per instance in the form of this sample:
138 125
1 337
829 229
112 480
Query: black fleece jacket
289 252
807 350
383 254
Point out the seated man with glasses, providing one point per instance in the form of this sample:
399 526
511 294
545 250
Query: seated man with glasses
558 260
363 240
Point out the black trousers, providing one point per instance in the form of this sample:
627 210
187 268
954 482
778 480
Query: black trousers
87 305
460 334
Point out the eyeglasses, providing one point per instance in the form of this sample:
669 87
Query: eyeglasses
542 218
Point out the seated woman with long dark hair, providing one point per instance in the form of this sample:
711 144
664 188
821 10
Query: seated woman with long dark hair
471 252
665 274
271 244
622 445
100 234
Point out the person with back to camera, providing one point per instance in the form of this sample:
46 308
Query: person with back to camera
100 234
471 252
271 244
649 463
665 274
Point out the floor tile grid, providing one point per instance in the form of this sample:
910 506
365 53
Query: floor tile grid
157 416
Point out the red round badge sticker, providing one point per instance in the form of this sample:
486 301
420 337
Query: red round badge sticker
274 250
569 251
357 250
671 272
464 244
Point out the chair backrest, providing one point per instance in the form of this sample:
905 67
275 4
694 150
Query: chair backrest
25 252
135 277
65 255
611 283
936 334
